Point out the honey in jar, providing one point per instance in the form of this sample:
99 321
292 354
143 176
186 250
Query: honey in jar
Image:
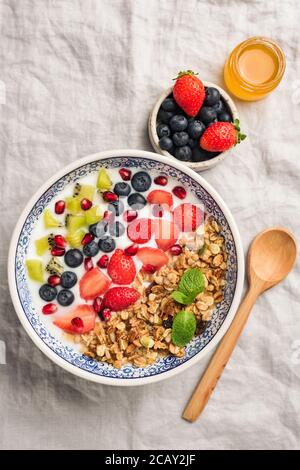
254 68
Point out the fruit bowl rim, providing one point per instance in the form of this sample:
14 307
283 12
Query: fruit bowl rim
152 125
37 340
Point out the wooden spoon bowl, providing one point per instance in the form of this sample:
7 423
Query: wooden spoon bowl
271 257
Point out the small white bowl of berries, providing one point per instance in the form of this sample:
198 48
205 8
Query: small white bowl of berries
195 122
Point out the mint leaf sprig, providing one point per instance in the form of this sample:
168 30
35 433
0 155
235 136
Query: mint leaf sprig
191 284
183 328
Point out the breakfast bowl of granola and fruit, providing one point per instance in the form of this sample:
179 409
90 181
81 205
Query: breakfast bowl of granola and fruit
195 122
126 268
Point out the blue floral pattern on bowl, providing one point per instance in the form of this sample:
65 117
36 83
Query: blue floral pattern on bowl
72 356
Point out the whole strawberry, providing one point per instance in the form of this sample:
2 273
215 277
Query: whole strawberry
121 268
119 298
189 92
221 136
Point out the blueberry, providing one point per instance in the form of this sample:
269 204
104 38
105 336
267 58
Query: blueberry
107 244
163 130
169 104
210 123
183 153
116 229
178 123
164 116
47 293
98 229
122 189
219 107
192 143
212 96
207 114
166 143
168 322
141 181
195 129
200 155
68 279
136 201
65 297
224 117
91 249
73 258
116 207
180 138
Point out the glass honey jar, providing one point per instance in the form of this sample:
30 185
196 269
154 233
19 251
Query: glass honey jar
254 68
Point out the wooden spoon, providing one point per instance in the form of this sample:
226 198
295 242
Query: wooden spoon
270 258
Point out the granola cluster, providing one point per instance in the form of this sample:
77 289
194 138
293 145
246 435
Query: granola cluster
141 333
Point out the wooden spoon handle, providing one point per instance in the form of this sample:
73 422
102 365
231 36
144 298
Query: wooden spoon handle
219 360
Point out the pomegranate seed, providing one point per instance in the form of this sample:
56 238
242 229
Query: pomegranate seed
59 241
103 261
161 180
109 216
109 196
77 324
175 250
105 314
131 250
97 304
88 264
49 308
130 215
125 174
60 207
157 211
149 268
179 191
85 204
57 251
54 280
88 237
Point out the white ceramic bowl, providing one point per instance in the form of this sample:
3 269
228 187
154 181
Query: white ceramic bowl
53 345
152 124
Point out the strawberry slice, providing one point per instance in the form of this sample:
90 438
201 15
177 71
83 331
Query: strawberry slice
121 268
188 217
118 298
140 230
160 197
93 283
80 320
166 234
153 256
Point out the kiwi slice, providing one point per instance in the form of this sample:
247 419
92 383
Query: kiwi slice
75 221
74 238
92 215
42 245
35 269
54 267
103 181
73 205
49 220
84 191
